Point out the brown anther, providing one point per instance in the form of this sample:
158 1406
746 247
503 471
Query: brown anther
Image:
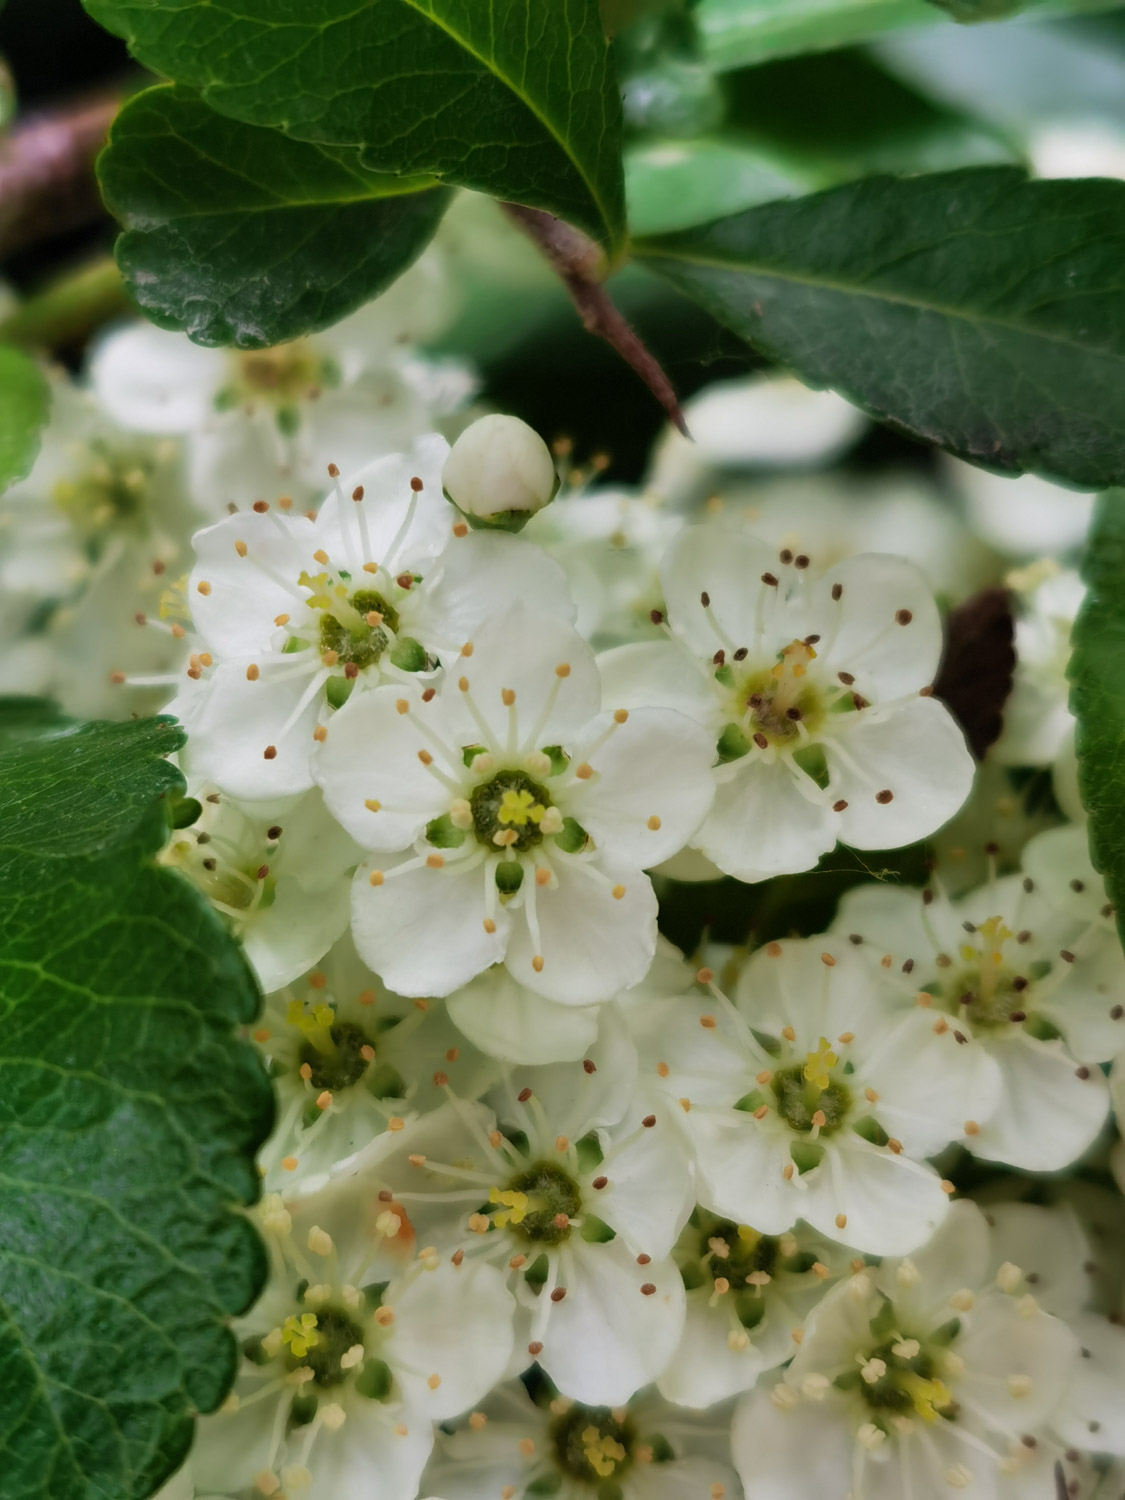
270 752
588 1065
558 1294
761 741
769 580
416 485
837 591
118 678
708 1023
260 507
599 1183
840 806
405 581
643 1259
252 673
263 872
333 471
203 587
649 1121
158 567
800 561
827 960
647 1288
357 493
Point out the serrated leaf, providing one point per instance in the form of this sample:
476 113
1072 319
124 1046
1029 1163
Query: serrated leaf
129 1117
510 97
738 33
975 309
239 235
25 400
1097 694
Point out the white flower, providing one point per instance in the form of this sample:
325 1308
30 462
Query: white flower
816 1096
512 821
518 1447
748 1297
762 421
499 473
1031 968
296 614
922 1378
351 1061
344 1375
579 1205
279 875
1020 516
1037 720
266 422
814 692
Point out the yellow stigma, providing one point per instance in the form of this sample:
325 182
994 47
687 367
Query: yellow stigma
603 1454
520 808
300 1334
818 1065
748 1236
795 659
930 1397
320 1018
321 599
514 1202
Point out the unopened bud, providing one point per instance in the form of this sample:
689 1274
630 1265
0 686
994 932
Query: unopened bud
499 473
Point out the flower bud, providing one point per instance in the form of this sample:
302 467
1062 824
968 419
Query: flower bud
499 473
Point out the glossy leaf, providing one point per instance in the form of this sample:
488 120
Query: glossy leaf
25 400
736 33
129 1118
975 310
239 235
511 97
1097 694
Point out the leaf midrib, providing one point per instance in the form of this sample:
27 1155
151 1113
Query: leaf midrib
972 317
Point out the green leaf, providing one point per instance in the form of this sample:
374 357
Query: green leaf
511 97
1097 694
239 235
735 33
129 1117
25 400
975 310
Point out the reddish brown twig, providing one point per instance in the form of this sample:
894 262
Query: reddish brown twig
47 182
580 266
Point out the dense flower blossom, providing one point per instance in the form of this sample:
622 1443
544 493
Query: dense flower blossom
814 692
510 819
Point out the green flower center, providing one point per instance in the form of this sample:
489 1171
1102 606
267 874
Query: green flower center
511 805
593 1446
799 1097
338 1056
354 639
320 1342
282 375
538 1204
113 489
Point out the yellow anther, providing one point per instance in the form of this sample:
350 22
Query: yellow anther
299 1332
520 808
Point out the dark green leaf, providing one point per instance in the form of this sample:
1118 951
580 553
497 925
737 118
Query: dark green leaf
1097 695
514 97
974 309
24 402
239 235
129 1115
735 33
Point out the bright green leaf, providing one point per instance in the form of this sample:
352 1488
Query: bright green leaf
239 235
975 309
514 98
129 1118
737 33
25 400
1097 694
674 184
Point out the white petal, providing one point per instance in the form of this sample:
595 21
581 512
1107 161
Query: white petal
958 1256
795 1454
233 1448
1093 1413
913 749
658 674
607 1338
370 1457
592 944
298 929
519 650
770 419
892 920
702 1064
890 1204
761 825
861 632
655 766
1001 1340
372 754
1047 1115
513 1023
705 1369
928 1083
1058 861
728 566
149 380
677 1478
739 1169
234 721
390 500
458 1323
423 932
233 602
650 1192
1047 1244
474 577
573 1100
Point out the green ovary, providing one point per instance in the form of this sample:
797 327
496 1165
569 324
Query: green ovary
798 1099
359 644
511 805
534 1203
320 1345
335 1058
592 1446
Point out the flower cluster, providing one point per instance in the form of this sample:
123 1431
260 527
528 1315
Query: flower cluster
552 1207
